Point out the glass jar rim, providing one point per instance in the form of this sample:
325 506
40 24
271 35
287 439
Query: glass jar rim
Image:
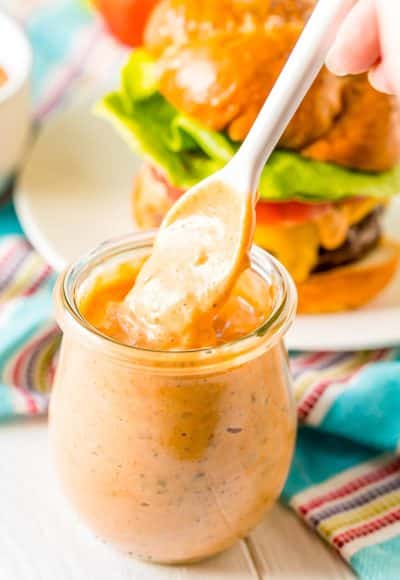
271 330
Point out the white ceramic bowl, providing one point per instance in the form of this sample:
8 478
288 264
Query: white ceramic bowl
15 113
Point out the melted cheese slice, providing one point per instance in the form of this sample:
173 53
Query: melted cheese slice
297 246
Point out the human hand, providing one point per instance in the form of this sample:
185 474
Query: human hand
369 41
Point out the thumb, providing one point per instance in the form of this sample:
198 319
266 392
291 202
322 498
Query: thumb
389 21
357 46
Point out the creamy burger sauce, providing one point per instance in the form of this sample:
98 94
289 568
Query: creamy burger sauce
175 465
198 255
171 468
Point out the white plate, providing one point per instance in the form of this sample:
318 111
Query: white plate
75 192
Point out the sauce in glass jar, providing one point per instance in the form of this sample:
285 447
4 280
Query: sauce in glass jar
171 455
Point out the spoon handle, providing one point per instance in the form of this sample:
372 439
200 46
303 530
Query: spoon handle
296 78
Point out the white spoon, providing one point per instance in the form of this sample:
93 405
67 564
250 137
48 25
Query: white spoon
204 239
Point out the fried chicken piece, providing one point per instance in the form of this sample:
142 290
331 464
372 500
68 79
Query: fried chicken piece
366 135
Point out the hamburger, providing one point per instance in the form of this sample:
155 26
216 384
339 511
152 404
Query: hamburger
187 100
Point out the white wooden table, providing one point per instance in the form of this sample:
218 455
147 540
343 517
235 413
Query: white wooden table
41 539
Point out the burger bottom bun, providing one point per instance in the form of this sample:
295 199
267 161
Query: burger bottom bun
352 286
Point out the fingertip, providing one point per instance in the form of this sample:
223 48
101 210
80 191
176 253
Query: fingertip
356 47
339 63
335 64
380 81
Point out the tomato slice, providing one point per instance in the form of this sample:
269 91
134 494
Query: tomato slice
289 212
268 212
126 19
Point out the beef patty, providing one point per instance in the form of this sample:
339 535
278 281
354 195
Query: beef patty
361 239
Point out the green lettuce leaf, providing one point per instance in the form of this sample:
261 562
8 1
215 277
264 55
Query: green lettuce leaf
189 152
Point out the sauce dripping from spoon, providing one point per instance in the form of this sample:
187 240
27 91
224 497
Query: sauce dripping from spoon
200 251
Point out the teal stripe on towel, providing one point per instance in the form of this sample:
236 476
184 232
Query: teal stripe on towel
369 410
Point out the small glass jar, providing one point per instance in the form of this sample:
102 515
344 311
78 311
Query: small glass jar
171 456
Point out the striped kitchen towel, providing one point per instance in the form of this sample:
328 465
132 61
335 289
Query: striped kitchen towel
345 477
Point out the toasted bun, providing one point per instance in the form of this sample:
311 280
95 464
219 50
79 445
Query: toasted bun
351 286
217 62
